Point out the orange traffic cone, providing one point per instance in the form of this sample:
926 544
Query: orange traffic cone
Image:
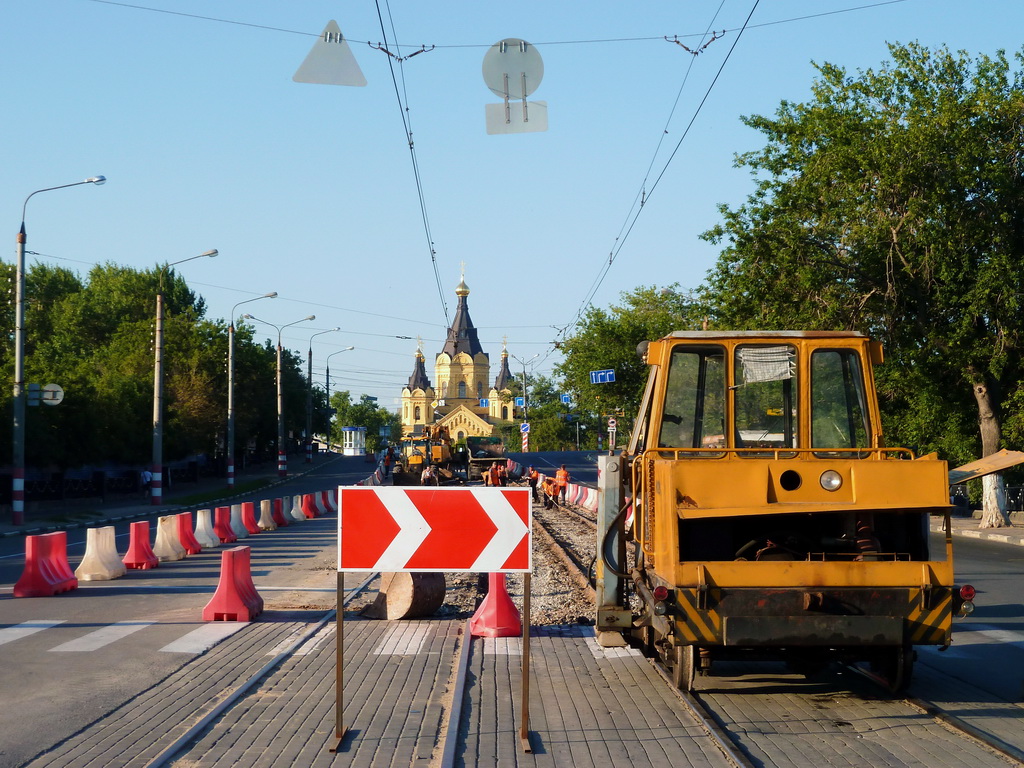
497 615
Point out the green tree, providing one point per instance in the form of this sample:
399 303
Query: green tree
608 339
891 202
364 413
94 337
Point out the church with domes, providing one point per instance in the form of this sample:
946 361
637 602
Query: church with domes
464 400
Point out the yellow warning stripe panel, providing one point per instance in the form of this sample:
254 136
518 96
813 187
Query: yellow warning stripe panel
931 626
696 624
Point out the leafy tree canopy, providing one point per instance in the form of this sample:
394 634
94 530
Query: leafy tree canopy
608 339
891 202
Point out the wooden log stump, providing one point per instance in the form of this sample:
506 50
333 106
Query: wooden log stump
407 596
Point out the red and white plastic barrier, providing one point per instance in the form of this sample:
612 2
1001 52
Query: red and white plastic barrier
309 506
167 547
237 526
278 513
185 535
249 517
296 512
46 571
204 529
266 521
320 499
236 598
101 561
140 555
222 525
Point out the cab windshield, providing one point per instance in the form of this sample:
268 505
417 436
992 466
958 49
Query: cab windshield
766 397
693 414
839 414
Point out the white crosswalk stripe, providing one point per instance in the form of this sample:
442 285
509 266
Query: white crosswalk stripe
101 637
26 628
204 638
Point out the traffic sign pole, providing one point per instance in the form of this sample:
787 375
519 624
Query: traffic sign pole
429 529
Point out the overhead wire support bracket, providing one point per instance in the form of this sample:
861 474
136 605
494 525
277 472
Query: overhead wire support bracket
714 36
382 47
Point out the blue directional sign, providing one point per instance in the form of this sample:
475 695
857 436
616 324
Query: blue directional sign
566 399
485 403
602 377
520 402
524 427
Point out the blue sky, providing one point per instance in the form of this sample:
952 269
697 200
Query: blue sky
309 190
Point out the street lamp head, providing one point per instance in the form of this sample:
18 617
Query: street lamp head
211 253
97 180
271 295
248 317
346 349
311 317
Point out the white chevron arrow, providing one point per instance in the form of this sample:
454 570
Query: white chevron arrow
414 530
511 530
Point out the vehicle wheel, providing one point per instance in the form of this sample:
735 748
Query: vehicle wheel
683 667
896 666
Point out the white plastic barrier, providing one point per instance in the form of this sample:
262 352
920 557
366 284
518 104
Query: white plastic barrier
101 561
321 503
167 547
295 513
204 529
332 500
266 521
237 526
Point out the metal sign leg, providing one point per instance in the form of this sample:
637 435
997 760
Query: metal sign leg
524 731
339 665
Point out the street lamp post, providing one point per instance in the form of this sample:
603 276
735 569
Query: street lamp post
18 431
328 378
157 483
282 454
327 381
309 394
230 448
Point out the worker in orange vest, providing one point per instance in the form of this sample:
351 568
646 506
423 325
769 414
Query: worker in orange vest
562 480
550 487
532 477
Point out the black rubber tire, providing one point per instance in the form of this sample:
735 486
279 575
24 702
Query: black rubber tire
684 667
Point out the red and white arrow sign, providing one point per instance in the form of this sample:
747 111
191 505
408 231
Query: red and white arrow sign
479 530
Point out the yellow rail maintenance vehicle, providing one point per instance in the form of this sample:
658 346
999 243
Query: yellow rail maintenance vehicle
770 520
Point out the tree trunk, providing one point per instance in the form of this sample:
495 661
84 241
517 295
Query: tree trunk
993 512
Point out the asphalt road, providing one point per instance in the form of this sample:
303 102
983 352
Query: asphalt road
70 658
988 646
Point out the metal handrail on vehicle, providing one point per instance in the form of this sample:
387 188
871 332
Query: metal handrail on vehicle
776 453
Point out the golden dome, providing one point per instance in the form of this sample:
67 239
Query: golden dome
462 289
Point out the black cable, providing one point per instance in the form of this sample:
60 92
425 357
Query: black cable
621 240
404 109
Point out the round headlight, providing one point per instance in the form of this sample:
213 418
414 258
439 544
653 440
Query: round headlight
830 480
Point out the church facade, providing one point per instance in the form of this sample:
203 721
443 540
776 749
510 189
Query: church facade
463 400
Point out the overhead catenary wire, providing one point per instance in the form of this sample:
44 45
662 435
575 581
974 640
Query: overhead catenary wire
592 41
620 240
403 105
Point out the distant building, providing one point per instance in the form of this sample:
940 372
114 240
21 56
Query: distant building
463 401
